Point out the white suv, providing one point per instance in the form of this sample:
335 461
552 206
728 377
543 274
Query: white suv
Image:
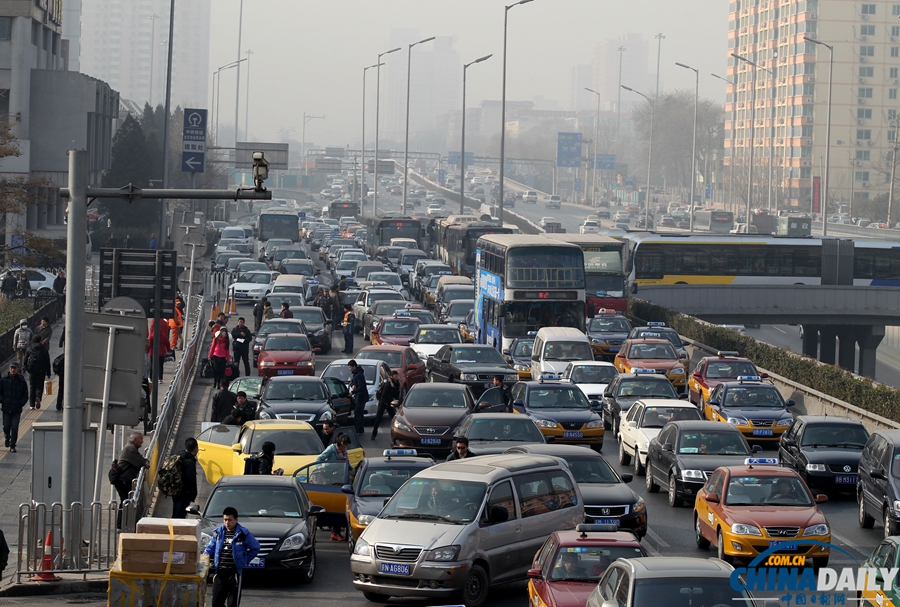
530 197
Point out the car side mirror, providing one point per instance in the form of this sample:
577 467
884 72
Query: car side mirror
821 498
878 473
193 509
697 375
788 442
506 352
713 403
348 489
317 350
412 341
596 405
237 448
519 403
713 498
756 449
764 375
683 396
328 322
498 514
790 403
634 288
314 510
631 424
627 477
534 574
549 439
667 447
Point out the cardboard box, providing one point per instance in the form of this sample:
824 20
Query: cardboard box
150 553
150 524
146 589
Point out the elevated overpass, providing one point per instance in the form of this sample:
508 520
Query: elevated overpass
836 319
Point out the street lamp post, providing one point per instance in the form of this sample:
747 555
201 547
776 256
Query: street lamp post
237 83
218 81
621 51
828 139
649 153
752 123
362 152
462 154
733 139
303 157
503 109
694 144
247 104
152 19
596 139
406 140
378 65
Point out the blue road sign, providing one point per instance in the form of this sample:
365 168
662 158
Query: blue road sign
302 214
453 158
709 191
442 176
193 153
578 185
568 150
696 197
606 162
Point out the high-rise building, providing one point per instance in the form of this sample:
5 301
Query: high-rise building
791 82
634 70
124 42
582 77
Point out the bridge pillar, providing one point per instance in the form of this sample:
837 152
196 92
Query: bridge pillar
868 339
811 340
847 348
827 343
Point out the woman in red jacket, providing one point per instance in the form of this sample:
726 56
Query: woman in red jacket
219 352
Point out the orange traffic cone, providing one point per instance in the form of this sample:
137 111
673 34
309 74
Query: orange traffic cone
47 564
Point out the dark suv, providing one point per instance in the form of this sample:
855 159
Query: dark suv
879 476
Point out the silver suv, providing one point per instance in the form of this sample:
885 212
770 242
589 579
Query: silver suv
458 528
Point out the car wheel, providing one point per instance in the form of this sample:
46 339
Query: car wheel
326 348
890 527
374 597
720 547
624 458
475 588
865 521
638 466
652 487
351 543
598 447
606 425
674 500
307 575
819 562
430 378
701 541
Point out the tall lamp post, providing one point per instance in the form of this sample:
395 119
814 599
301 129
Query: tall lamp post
596 139
247 104
733 138
828 139
649 153
378 65
217 78
303 156
503 109
237 84
694 144
752 123
621 51
462 154
152 19
406 140
362 152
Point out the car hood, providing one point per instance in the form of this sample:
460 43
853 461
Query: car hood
596 390
521 360
286 356
833 456
280 527
709 462
295 406
785 516
555 366
427 350
250 285
649 433
433 416
493 447
564 415
608 336
312 328
606 494
654 363
428 534
369 505
454 320
479 368
765 413
625 402
395 340
570 593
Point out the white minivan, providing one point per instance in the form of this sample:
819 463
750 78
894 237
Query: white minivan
556 347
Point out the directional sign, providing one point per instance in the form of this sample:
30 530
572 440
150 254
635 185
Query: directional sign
708 191
193 154
568 150
453 158
578 185
442 176
606 162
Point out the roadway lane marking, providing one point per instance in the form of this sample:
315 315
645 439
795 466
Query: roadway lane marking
777 329
849 545
656 538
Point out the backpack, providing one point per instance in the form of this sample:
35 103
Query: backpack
59 364
33 363
115 472
251 465
169 479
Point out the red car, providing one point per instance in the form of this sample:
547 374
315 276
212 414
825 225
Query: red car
711 371
569 565
395 330
402 359
286 354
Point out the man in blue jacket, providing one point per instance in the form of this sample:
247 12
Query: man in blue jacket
232 547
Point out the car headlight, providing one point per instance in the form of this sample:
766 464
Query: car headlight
599 342
365 519
205 539
816 468
785 422
319 332
399 425
305 363
639 506
820 529
362 549
742 529
738 421
511 377
265 415
446 553
469 376
522 367
267 363
596 424
545 423
328 415
295 542
692 475
677 371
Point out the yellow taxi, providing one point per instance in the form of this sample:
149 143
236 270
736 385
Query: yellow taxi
745 510
224 448
655 354
710 371
754 407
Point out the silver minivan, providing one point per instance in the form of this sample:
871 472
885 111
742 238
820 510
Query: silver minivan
457 528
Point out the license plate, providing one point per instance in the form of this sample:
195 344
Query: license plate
606 521
240 295
783 545
573 434
614 349
762 432
431 441
285 372
394 568
257 563
849 479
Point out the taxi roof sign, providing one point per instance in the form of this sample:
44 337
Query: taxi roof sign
722 353
761 461
312 282
643 370
532 333
656 324
398 452
651 335
413 306
445 272
551 376
401 315
605 312
749 378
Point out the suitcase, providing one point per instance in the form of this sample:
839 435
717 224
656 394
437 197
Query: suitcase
232 371
206 369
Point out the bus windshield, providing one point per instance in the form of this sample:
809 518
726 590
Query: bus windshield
279 226
605 285
545 268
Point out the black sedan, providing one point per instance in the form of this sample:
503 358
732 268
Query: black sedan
625 389
319 328
307 399
606 497
430 415
824 450
277 511
491 433
683 455
472 364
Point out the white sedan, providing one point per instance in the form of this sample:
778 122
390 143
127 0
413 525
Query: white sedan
590 376
589 227
253 286
644 421
546 220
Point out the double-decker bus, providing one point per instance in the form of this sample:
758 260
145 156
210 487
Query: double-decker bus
755 259
523 283
274 223
454 242
604 274
343 208
380 230
718 222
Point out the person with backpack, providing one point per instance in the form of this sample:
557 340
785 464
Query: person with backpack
183 486
258 310
21 341
219 354
129 464
38 364
231 549
13 397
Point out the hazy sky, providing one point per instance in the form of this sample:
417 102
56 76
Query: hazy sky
308 56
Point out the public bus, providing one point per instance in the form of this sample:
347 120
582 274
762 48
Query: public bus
756 259
604 276
718 222
524 283
343 208
380 230
275 223
454 243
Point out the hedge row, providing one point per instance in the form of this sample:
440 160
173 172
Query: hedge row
14 310
829 379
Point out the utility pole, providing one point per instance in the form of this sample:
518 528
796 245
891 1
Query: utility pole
620 50
852 179
894 150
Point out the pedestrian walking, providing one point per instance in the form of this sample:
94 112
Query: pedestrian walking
231 549
359 392
154 243
59 367
37 362
8 286
188 460
24 287
219 354
59 283
348 326
22 340
388 396
13 397
127 243
112 242
45 331
223 403
163 340
242 340
130 462
258 311
268 312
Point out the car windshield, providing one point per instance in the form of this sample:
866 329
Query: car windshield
689 592
648 388
657 417
288 342
592 374
300 267
393 359
399 327
257 278
588 563
342 372
254 502
523 348
384 482
852 436
454 399
433 280
347 264
560 397
388 277
591 470
612 324
520 430
459 293
450 335
762 490
310 317
385 308
671 336
431 500
693 442
276 326
303 390
410 259
424 316
392 296
652 352
287 442
568 350
755 396
732 369
460 308
479 355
